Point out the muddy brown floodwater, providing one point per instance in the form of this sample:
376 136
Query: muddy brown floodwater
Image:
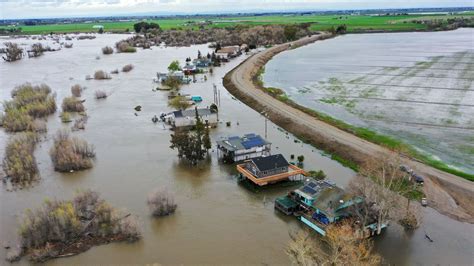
217 221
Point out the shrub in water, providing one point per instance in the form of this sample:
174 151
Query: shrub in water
107 50
161 202
127 68
76 90
86 220
125 47
19 163
28 102
100 94
71 104
71 153
65 117
100 74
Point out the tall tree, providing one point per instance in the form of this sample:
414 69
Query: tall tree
385 189
174 66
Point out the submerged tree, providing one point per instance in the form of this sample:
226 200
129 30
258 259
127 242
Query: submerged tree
161 202
19 163
386 189
37 49
71 153
13 52
174 66
192 145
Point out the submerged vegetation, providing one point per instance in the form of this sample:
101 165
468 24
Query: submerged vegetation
29 102
100 94
65 227
19 163
192 146
72 104
101 74
13 52
127 68
161 202
76 90
71 153
107 50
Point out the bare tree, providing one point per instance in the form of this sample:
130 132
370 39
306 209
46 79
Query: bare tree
13 52
340 246
383 187
37 49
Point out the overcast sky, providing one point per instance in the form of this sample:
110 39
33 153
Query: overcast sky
66 8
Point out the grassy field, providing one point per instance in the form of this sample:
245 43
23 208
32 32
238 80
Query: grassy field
318 22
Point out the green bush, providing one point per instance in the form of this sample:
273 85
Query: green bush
29 102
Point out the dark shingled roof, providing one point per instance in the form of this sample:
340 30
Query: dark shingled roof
270 162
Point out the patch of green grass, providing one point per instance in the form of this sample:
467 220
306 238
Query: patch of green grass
352 165
317 22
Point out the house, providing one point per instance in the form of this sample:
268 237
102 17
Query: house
234 149
180 75
321 203
202 62
187 118
269 169
228 52
190 69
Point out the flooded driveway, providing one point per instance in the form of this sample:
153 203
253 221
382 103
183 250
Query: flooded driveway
217 221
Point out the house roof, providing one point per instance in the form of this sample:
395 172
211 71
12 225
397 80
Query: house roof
228 49
192 112
248 141
270 162
328 198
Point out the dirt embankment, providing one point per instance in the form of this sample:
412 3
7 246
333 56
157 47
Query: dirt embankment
449 194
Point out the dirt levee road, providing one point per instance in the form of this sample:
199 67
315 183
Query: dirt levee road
449 194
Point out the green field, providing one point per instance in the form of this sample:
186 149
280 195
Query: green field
318 22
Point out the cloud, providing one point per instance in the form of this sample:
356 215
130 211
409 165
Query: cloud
62 8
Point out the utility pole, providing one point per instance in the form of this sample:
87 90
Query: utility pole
265 115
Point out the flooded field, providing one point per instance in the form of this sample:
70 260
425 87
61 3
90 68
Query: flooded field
417 87
217 221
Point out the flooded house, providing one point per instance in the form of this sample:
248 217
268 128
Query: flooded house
321 203
271 169
187 118
235 148
180 75
202 62
190 69
228 52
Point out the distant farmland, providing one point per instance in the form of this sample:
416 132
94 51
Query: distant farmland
318 22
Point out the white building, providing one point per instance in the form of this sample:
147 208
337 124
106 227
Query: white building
187 118
235 149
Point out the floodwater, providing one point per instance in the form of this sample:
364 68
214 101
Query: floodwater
417 87
217 221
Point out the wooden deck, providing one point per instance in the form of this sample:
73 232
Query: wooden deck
292 171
